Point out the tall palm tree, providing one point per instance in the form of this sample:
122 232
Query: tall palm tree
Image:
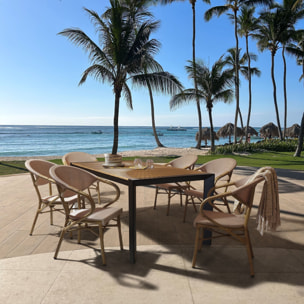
297 50
243 68
121 54
158 80
247 25
193 2
234 6
292 11
268 35
213 85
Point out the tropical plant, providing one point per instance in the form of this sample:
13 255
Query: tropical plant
234 6
268 35
126 48
297 50
247 25
243 68
213 85
159 80
292 11
193 2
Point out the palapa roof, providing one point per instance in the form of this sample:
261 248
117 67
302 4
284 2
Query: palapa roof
269 129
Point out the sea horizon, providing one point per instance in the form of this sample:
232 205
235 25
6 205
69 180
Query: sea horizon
55 140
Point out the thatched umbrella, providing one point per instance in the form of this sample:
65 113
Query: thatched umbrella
205 135
293 131
251 131
227 130
269 130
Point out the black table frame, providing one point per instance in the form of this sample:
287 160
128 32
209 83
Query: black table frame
208 179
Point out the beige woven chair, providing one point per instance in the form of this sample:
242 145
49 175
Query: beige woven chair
170 189
224 223
72 180
222 169
42 181
76 156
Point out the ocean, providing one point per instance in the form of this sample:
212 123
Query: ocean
18 140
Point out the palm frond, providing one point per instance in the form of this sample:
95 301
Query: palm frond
98 72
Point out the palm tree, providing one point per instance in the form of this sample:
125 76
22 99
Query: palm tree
122 53
213 85
193 2
234 6
297 50
292 11
159 80
268 36
247 24
243 68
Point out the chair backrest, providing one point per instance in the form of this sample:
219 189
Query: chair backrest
245 189
39 170
184 162
72 179
70 157
220 167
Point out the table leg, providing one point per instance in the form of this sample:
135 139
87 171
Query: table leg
208 184
132 221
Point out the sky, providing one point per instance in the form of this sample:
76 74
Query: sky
40 70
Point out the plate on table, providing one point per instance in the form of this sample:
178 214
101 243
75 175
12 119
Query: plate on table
139 168
114 165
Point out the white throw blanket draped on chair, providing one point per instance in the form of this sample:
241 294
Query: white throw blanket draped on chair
268 216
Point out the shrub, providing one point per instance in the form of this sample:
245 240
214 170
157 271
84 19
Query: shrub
274 145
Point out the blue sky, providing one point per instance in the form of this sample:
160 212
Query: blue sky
40 70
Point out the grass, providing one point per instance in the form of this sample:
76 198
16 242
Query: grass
283 160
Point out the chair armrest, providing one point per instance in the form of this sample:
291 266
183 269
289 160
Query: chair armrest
117 190
220 186
209 200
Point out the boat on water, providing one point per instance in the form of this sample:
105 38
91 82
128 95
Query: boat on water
158 133
97 132
176 129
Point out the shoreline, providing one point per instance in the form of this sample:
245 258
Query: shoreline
157 152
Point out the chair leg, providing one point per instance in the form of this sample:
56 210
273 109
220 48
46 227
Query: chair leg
196 246
186 205
59 243
98 193
169 201
51 215
155 199
249 253
119 232
79 234
34 222
103 256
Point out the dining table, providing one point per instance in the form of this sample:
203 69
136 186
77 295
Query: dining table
132 177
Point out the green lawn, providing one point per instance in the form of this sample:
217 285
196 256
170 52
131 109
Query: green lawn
283 160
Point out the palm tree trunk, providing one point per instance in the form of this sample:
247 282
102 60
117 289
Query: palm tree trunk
159 144
212 147
275 96
300 140
237 93
249 89
198 145
285 90
115 120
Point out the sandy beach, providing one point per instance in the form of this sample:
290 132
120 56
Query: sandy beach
141 153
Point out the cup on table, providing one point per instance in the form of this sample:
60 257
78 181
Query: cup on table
138 162
149 163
